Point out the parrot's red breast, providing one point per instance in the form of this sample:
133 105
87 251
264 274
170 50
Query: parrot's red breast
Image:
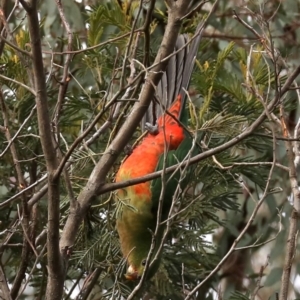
144 158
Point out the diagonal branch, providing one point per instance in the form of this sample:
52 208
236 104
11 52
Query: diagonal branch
4 290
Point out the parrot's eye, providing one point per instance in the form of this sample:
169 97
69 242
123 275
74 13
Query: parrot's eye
144 263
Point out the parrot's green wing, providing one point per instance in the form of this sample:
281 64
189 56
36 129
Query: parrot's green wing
181 177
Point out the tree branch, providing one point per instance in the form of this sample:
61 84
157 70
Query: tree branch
4 290
294 218
55 265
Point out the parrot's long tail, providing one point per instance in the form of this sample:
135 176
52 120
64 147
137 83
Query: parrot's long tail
175 81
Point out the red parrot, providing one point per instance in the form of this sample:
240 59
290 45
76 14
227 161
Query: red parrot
137 216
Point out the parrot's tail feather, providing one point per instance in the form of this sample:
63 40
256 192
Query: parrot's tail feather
175 81
190 61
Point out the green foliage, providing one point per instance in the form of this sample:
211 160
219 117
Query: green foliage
186 150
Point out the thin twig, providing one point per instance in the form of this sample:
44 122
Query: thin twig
5 293
261 274
32 91
18 131
107 42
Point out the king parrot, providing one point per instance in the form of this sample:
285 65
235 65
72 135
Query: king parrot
137 218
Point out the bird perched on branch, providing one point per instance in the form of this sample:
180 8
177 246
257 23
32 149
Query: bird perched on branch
162 146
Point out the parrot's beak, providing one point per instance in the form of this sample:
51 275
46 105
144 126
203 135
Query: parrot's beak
131 277
131 274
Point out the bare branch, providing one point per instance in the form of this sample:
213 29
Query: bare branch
18 131
32 91
4 289
293 229
55 264
258 282
65 78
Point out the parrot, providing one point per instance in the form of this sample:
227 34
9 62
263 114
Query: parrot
138 204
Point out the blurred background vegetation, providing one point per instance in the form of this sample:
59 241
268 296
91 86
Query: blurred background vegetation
233 68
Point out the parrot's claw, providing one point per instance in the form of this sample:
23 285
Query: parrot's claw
153 129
